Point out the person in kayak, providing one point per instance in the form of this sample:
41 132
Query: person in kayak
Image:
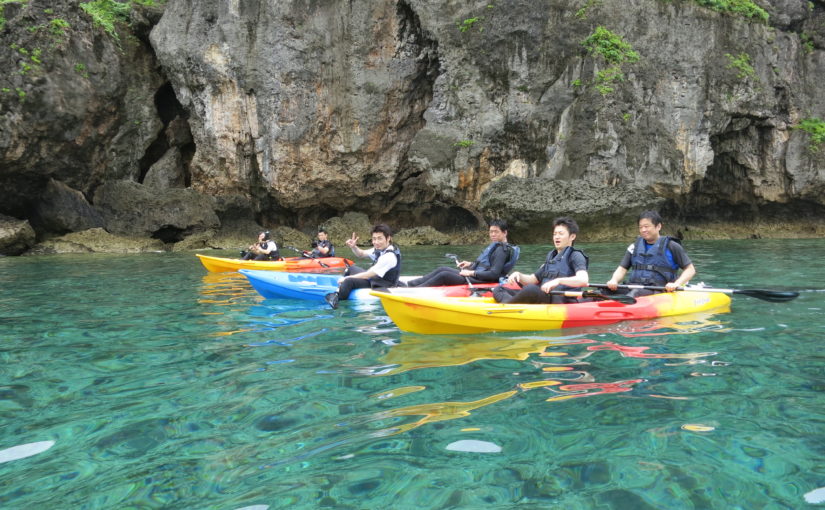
497 259
565 268
322 247
655 259
264 249
384 272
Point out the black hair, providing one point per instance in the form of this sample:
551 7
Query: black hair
568 223
266 234
381 228
322 229
501 224
653 216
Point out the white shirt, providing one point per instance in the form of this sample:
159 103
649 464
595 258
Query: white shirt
385 262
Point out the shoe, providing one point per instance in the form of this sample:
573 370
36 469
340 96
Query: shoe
332 299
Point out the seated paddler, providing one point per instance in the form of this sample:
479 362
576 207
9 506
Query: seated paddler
384 271
564 269
495 261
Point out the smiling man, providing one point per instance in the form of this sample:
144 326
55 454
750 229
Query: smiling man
655 259
384 271
565 268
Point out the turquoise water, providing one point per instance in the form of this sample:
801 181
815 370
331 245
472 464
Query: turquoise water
163 386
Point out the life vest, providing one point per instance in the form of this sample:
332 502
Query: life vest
484 262
650 263
557 265
274 254
322 244
391 277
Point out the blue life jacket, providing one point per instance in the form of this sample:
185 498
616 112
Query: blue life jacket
391 277
484 262
557 265
651 266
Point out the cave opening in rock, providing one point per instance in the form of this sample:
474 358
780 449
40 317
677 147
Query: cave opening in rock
175 133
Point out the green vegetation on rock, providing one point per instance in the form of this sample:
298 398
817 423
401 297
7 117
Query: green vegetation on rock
108 13
2 16
615 51
468 23
742 64
745 8
815 127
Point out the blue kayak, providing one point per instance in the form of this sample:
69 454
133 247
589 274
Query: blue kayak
311 286
314 286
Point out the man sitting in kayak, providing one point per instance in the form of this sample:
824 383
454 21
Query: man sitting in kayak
322 247
497 259
565 268
385 269
264 249
654 258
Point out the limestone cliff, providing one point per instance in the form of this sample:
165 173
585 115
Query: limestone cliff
414 111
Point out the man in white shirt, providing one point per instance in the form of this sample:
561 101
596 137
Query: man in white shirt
385 269
264 249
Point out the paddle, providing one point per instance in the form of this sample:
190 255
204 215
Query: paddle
308 255
776 296
592 294
619 298
455 259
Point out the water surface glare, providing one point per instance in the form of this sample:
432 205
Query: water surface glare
143 381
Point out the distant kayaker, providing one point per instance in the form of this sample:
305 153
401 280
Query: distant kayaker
497 259
322 247
264 249
654 258
385 269
565 268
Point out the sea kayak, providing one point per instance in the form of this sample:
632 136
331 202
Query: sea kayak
451 315
220 264
313 287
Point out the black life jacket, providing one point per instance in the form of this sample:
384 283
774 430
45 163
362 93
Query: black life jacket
274 254
651 266
557 265
484 262
323 244
391 277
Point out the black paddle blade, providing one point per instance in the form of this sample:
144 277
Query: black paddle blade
775 296
619 298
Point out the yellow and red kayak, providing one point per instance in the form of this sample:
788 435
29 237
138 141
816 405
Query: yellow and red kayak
457 315
291 264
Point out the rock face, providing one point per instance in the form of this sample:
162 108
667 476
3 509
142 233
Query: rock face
414 112
16 236
414 109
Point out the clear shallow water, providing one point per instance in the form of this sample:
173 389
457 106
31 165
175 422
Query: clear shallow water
164 386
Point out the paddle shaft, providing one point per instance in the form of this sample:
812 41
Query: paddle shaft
455 259
308 255
776 296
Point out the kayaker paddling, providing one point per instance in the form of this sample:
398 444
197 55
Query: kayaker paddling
655 260
565 268
385 269
497 259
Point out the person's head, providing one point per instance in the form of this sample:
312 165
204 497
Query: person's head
565 231
381 236
263 236
322 234
650 223
498 231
